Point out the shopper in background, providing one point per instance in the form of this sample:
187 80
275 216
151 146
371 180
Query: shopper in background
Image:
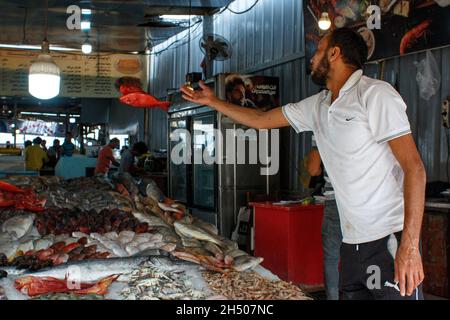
8 145
331 227
68 147
35 157
54 153
106 158
44 145
27 144
128 158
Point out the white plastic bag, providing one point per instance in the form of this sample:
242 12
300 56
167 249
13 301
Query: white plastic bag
428 77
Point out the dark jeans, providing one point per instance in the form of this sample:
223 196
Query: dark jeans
331 243
367 271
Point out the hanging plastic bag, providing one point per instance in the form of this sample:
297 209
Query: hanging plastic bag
428 77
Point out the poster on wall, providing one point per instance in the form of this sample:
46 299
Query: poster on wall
258 92
405 26
42 128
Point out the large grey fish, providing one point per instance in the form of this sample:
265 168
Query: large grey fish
86 270
243 263
206 226
191 231
153 191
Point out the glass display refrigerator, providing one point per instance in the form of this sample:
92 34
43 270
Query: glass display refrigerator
211 167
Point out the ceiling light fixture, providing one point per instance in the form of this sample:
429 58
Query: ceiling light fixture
34 47
44 75
86 47
85 25
86 11
324 21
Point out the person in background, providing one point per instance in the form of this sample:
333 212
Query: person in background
27 144
331 227
106 158
54 153
128 157
44 145
124 148
68 147
8 145
35 157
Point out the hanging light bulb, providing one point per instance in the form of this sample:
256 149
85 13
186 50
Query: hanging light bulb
86 48
44 75
324 21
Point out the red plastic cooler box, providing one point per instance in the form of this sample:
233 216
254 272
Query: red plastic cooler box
289 238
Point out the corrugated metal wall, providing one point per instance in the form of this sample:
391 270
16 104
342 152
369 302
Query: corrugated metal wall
424 116
269 40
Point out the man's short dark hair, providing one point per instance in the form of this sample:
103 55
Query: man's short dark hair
140 148
353 47
37 140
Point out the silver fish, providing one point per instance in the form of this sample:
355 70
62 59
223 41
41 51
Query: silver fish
206 226
190 243
154 192
168 208
214 249
191 231
243 263
86 270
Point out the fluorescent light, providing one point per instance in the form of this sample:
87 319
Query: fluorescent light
85 25
72 120
32 47
89 144
13 125
86 11
86 48
175 17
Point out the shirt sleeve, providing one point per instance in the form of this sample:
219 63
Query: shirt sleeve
386 112
300 114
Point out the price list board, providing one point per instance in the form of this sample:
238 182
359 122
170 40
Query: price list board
82 76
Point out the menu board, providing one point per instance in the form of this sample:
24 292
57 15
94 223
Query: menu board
82 76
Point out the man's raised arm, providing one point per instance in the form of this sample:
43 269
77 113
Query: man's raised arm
250 117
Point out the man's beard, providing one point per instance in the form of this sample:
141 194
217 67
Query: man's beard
319 76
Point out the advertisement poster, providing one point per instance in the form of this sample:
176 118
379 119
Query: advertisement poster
406 25
41 128
258 92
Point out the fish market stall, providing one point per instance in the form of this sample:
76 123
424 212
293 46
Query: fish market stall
87 239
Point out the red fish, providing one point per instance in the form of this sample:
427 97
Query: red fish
4 186
34 286
135 96
411 37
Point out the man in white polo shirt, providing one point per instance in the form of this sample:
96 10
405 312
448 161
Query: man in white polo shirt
364 137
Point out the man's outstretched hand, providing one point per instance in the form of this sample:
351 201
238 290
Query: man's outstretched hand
202 96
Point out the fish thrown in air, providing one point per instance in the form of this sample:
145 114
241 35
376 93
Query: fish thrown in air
133 95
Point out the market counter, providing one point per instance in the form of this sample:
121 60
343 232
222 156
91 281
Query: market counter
74 167
289 238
